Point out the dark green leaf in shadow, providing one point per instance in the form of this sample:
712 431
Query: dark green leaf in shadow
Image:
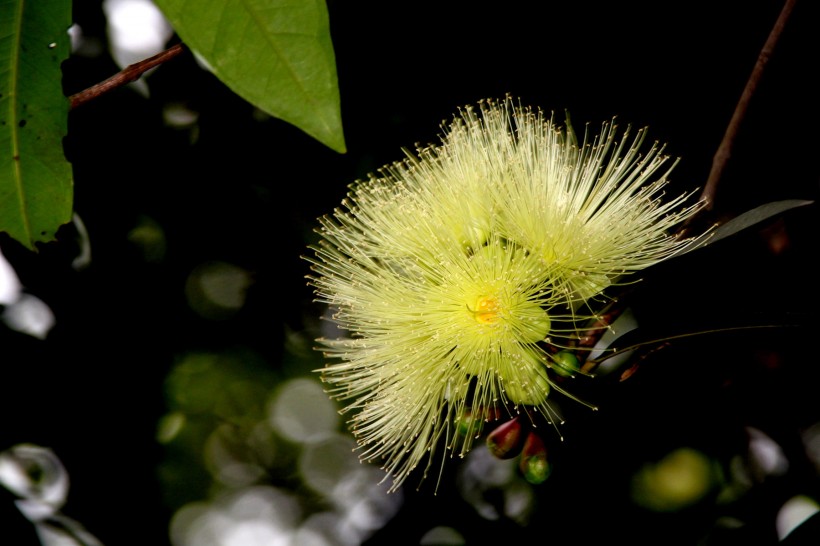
276 54
746 220
35 179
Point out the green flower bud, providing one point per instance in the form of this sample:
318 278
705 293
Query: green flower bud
534 464
534 323
469 425
565 363
530 385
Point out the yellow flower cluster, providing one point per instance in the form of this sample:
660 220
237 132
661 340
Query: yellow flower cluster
451 269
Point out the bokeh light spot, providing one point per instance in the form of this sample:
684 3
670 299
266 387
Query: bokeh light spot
301 411
680 479
328 464
442 536
794 511
217 290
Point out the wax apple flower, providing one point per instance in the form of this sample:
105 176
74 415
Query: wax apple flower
453 270
593 210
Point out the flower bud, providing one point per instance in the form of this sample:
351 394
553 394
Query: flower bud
565 363
530 386
534 464
534 323
469 424
507 440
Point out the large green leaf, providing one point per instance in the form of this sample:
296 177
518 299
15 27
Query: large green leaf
36 193
276 54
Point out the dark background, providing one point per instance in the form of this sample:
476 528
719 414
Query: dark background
248 191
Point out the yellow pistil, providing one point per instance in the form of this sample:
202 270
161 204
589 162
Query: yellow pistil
486 310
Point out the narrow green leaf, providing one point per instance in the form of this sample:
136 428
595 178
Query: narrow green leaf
276 54
747 219
754 216
36 187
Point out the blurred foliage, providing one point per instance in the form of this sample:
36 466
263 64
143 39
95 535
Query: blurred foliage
181 312
209 394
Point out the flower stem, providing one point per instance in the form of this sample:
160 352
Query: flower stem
127 75
724 151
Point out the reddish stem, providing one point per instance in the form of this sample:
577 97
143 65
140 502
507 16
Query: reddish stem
127 75
724 151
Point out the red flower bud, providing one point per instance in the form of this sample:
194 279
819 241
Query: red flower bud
506 441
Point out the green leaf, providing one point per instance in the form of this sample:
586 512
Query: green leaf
746 220
754 216
36 187
276 54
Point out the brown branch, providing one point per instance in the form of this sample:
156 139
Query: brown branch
127 75
724 151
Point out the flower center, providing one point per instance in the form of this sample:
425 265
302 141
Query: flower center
486 310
